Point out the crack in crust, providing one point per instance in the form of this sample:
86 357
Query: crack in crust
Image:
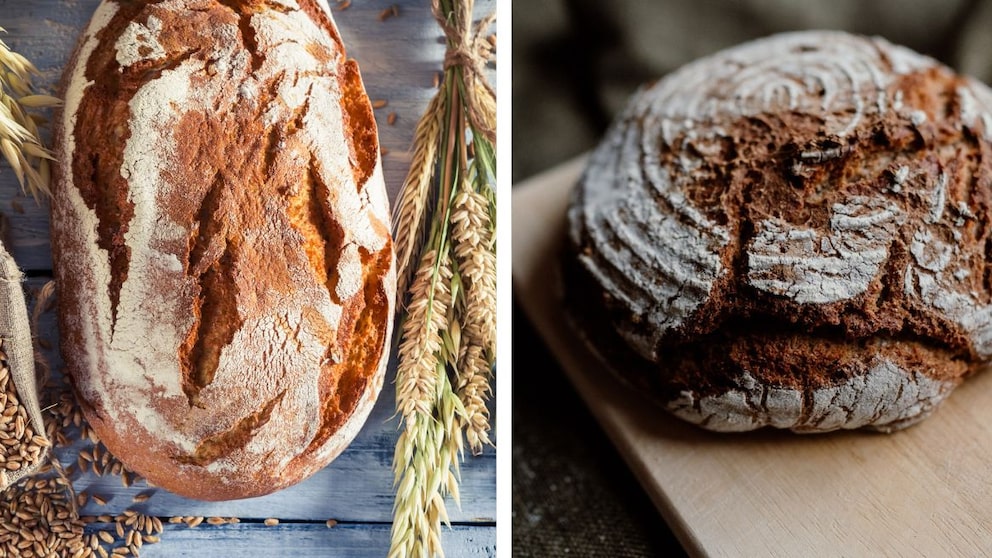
218 445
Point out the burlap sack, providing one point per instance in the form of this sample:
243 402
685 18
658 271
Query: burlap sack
17 356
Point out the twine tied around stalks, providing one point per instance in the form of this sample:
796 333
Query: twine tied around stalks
470 51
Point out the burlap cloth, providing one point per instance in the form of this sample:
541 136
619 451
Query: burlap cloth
575 62
18 348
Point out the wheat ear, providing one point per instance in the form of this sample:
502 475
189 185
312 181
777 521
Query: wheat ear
410 212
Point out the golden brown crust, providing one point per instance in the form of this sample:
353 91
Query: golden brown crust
221 242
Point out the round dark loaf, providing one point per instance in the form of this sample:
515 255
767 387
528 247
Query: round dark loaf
792 233
221 241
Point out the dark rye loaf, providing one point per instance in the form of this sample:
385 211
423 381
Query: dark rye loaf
791 233
221 241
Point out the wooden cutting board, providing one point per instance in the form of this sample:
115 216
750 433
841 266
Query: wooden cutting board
926 491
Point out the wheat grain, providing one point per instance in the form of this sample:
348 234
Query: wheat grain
409 214
473 249
417 372
389 12
40 514
473 390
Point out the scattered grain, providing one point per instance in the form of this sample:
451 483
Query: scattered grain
379 103
271 521
391 118
389 12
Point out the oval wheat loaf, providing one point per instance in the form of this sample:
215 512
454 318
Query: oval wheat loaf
221 241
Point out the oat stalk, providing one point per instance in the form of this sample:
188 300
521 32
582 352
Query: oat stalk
20 141
444 226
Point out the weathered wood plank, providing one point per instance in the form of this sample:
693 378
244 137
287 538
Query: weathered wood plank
306 539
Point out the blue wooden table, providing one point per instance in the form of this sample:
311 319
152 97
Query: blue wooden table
399 56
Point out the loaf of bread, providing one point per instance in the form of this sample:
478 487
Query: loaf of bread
221 244
791 233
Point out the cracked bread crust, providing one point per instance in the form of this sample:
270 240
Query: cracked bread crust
791 233
220 233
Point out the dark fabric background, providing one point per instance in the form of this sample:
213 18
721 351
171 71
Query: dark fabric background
575 62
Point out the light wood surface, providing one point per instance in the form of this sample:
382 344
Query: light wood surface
926 491
398 58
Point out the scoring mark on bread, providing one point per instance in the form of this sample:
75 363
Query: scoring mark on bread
245 11
216 319
357 113
218 445
809 267
310 214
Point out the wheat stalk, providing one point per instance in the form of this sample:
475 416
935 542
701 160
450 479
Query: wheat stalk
445 227
430 442
473 392
409 215
421 338
474 252
19 136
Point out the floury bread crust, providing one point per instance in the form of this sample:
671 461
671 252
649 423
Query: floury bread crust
221 241
791 233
